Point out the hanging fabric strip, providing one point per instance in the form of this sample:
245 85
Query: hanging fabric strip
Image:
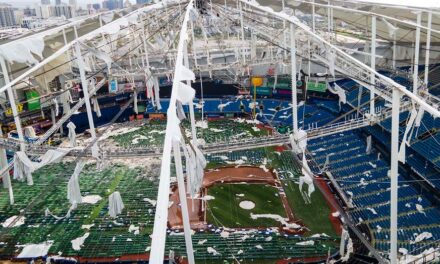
149 85
307 177
24 167
340 92
402 150
135 102
185 93
391 28
184 74
73 190
275 81
72 134
65 98
419 117
368 150
57 107
96 107
188 167
100 55
156 92
417 123
47 212
116 205
180 112
331 57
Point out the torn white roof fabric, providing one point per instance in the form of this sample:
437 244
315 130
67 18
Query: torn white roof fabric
116 205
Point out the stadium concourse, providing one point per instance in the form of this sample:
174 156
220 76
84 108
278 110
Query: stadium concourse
224 132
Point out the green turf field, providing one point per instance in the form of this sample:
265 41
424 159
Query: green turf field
111 237
152 134
315 215
224 210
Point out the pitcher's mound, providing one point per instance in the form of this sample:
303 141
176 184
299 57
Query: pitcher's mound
247 205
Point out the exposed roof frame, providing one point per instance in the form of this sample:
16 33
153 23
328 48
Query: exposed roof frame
158 236
366 3
368 13
89 35
57 29
291 19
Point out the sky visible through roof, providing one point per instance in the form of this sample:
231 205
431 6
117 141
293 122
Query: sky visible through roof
411 3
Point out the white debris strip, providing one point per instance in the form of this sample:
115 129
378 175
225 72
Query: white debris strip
216 130
420 237
207 198
14 221
151 201
420 209
335 214
91 199
372 210
277 218
115 204
212 251
306 243
35 250
224 234
87 226
133 229
78 242
319 235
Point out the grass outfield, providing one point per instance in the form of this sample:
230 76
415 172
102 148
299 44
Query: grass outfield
224 210
315 215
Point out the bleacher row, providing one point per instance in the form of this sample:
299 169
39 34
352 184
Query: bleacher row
423 155
365 179
272 111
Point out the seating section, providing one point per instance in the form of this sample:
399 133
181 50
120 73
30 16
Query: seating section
365 179
271 111
423 155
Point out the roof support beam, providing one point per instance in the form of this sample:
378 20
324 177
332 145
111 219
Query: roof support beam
394 174
293 62
428 47
161 216
351 10
89 35
432 109
373 64
416 55
12 103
